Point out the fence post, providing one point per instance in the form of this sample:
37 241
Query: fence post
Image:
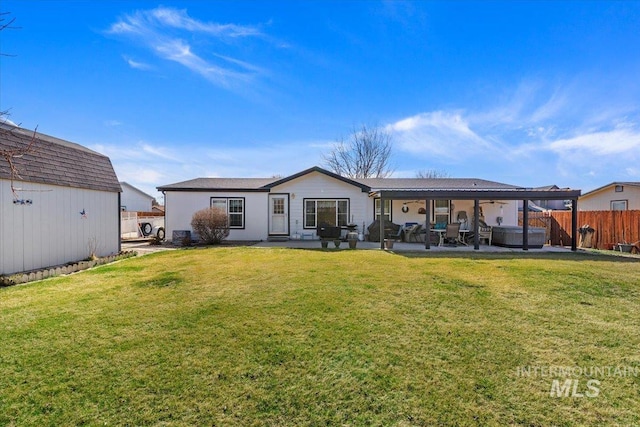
574 223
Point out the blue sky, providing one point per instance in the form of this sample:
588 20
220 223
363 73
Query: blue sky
527 93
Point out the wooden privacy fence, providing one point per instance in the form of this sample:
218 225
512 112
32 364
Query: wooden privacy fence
611 227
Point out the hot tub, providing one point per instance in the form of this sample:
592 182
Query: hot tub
511 236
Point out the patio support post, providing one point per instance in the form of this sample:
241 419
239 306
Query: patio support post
574 223
476 224
427 224
525 225
382 223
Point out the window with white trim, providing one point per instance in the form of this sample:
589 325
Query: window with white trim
233 207
326 211
387 209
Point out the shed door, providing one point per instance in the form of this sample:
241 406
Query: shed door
278 214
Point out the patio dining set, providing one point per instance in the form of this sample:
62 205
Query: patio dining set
444 234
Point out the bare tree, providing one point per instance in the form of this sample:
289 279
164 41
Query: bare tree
366 153
8 152
5 24
431 173
11 154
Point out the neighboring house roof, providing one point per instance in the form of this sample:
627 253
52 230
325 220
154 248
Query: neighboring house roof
137 190
55 161
548 187
629 183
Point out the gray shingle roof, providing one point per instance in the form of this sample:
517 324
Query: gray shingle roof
433 184
208 184
264 184
57 162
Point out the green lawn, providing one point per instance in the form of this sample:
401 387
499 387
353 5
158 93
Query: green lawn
248 336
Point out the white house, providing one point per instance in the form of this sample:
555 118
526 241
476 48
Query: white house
58 203
133 199
292 207
616 196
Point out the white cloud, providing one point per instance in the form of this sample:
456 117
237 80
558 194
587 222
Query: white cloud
439 133
534 135
165 32
137 65
180 19
603 143
633 172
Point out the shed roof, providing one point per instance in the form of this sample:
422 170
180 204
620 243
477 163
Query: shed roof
56 161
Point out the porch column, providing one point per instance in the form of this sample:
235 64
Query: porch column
381 223
525 225
574 223
427 224
476 224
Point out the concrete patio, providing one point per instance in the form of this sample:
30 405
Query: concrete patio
404 247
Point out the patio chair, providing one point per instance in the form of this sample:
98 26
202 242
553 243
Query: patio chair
452 233
462 219
484 232
413 233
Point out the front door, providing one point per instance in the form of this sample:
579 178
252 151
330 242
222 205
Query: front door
278 214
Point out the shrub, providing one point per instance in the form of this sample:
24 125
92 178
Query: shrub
211 224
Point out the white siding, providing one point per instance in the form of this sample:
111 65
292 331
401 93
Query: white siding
316 185
601 200
133 200
181 205
51 231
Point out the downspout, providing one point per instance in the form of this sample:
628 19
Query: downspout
164 218
119 222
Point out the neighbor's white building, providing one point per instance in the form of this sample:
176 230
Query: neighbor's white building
616 196
133 199
58 205
292 207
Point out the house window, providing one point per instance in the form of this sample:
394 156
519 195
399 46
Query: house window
326 211
387 209
233 207
619 188
441 211
278 206
618 205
